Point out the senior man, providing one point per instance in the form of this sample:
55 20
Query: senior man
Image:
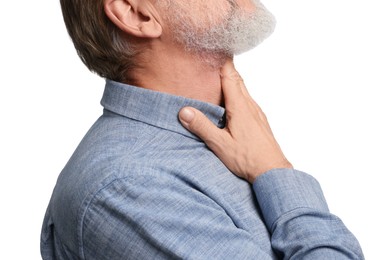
142 184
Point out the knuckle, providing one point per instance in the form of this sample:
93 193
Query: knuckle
237 77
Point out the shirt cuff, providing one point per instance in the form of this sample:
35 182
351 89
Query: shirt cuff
280 191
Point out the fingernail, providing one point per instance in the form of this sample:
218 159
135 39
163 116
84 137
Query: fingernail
186 115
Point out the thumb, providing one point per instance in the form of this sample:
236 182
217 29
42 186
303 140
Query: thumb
197 123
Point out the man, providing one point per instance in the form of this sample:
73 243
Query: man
142 186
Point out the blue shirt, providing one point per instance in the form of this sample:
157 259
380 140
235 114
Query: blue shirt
140 186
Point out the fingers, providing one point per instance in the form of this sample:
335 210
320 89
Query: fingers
235 93
197 123
232 84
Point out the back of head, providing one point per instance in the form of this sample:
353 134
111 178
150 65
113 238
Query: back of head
100 44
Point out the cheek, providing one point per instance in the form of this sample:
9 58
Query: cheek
201 14
214 11
246 5
219 6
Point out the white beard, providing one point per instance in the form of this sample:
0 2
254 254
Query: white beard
235 33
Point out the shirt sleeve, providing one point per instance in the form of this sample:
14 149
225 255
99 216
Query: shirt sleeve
297 215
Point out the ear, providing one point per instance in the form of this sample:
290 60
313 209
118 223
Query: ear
136 17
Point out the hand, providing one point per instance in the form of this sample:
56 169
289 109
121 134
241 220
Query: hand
246 145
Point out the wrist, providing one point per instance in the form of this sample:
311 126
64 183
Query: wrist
285 164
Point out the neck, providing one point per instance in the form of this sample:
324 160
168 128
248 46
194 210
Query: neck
181 73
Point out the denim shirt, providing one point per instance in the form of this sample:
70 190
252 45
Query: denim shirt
140 186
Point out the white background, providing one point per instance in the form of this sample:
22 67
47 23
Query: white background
322 79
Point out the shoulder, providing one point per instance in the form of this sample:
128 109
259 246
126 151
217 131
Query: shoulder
146 213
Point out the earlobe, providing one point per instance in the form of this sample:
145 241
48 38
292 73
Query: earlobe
134 17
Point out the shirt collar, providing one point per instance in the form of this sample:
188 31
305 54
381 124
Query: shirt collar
155 108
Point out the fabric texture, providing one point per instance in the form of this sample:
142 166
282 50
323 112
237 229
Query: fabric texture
140 186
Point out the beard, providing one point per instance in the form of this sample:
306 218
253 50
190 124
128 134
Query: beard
218 35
